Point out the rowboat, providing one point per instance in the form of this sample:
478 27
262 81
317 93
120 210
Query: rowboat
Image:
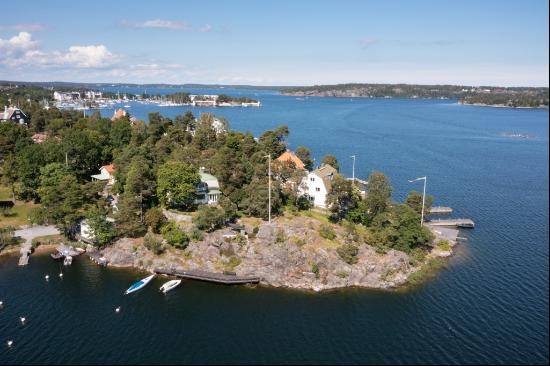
170 285
139 284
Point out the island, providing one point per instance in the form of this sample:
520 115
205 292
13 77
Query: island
189 193
514 97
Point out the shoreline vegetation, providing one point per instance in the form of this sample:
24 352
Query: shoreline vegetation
511 97
150 213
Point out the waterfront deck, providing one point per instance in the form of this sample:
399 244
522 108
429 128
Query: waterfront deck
209 276
441 210
464 223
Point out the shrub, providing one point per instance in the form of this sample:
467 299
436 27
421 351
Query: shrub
342 274
280 237
254 232
239 239
233 262
444 245
327 231
153 243
174 235
209 218
195 234
348 253
299 242
417 256
315 269
155 219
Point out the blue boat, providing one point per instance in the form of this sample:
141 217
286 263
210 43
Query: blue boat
139 284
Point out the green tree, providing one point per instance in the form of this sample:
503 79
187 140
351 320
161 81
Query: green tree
176 184
304 155
155 219
61 195
378 196
332 161
129 217
102 229
273 142
341 197
414 201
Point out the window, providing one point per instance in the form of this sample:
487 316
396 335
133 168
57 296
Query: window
318 189
312 179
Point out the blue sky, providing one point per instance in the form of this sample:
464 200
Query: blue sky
277 42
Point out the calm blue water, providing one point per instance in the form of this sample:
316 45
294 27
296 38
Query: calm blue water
489 306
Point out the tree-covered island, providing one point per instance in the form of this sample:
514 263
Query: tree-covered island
515 97
190 193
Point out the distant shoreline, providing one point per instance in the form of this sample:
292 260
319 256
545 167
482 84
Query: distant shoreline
500 105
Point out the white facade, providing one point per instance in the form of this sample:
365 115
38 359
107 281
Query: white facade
314 187
208 190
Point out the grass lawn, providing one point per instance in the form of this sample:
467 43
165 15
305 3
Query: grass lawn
18 214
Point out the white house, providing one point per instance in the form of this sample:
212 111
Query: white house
107 173
317 185
208 190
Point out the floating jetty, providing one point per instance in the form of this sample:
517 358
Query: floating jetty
227 279
96 257
441 210
25 254
465 223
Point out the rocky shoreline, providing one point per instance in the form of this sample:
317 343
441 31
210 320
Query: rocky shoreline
288 253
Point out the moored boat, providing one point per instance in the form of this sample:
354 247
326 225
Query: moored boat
56 255
170 285
139 284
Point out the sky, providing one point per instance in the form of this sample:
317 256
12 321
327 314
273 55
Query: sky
279 42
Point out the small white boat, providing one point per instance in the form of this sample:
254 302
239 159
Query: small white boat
68 260
139 284
170 285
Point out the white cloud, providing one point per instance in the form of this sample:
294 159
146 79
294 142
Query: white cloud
366 42
205 28
18 49
26 27
165 24
156 23
87 56
22 51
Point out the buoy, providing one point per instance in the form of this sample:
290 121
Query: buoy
117 309
61 275
47 277
22 320
10 343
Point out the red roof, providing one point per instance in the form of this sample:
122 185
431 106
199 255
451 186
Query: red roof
289 156
110 168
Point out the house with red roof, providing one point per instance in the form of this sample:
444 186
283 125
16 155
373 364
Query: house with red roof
107 173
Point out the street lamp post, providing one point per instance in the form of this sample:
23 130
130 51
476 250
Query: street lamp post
353 169
269 186
425 178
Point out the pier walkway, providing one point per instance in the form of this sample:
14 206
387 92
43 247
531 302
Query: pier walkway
441 210
465 223
209 276
28 234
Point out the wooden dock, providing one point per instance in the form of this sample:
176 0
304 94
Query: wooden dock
225 279
441 210
464 223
